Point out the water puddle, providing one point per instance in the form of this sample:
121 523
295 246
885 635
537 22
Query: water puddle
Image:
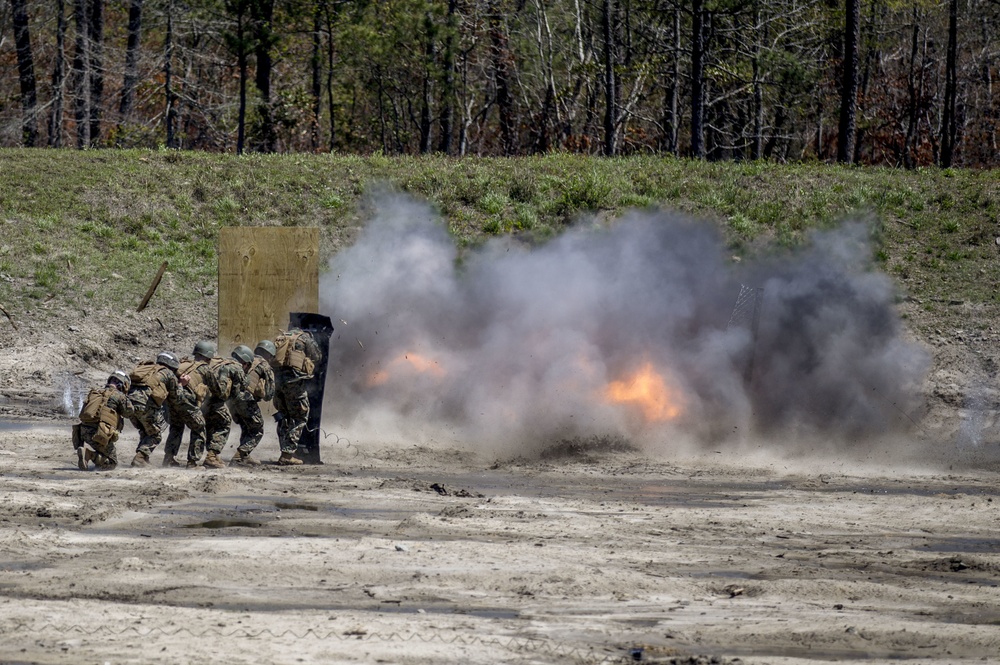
223 524
280 505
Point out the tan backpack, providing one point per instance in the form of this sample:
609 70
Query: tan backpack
96 411
287 355
148 374
196 382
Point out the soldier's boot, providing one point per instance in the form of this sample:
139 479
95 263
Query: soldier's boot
193 464
287 459
81 458
213 461
243 458
140 459
170 460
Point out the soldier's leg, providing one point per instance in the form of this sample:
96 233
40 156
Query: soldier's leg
251 427
195 420
218 423
175 435
151 423
296 416
106 456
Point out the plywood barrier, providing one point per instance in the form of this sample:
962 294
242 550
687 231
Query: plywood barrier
264 273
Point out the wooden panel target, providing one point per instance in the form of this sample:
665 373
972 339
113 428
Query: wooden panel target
264 273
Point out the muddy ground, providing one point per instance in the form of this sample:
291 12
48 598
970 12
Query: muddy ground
415 554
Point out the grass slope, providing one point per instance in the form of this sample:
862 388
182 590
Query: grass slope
88 230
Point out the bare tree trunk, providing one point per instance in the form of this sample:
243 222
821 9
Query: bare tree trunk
168 47
330 13
58 78
911 89
81 77
849 88
698 80
949 124
503 61
671 121
96 68
316 69
264 41
25 72
610 95
131 77
448 89
757 146
427 87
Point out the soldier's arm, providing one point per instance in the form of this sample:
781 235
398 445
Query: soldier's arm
312 348
267 376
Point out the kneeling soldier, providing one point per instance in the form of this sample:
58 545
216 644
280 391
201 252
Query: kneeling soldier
101 420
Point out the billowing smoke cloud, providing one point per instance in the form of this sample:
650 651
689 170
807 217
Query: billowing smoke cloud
637 328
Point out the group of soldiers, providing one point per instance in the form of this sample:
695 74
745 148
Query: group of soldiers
205 394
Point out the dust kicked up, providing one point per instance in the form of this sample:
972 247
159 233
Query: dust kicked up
620 329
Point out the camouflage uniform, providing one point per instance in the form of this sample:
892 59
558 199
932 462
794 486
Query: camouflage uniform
246 411
291 397
227 378
148 416
105 456
185 411
192 407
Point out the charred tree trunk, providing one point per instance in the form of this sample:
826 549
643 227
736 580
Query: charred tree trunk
849 85
698 80
58 78
610 95
949 123
131 78
25 73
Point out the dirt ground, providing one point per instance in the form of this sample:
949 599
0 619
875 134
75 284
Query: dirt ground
428 553
416 554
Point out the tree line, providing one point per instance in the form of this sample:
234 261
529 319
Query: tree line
894 82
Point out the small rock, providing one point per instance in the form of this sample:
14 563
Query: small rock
43 512
402 548
74 329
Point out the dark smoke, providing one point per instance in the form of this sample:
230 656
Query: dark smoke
517 346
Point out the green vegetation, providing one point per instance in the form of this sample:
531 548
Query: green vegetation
89 229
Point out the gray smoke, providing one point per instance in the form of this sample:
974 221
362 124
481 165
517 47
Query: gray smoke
517 346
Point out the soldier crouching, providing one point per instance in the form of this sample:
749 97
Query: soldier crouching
101 420
243 404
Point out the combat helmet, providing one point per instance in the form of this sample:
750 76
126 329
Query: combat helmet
267 346
205 348
122 379
243 354
168 359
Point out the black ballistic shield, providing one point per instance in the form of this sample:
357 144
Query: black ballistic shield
320 327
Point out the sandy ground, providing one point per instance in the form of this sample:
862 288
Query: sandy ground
420 555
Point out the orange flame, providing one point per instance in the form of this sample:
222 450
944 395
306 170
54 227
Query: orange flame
648 391
402 364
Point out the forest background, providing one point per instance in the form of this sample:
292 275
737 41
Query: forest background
889 82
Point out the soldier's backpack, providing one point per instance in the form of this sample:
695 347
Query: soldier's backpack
260 384
288 355
96 411
196 382
148 374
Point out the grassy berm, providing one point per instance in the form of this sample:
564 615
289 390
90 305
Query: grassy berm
84 233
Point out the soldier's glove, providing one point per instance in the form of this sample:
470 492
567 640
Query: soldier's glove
278 417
